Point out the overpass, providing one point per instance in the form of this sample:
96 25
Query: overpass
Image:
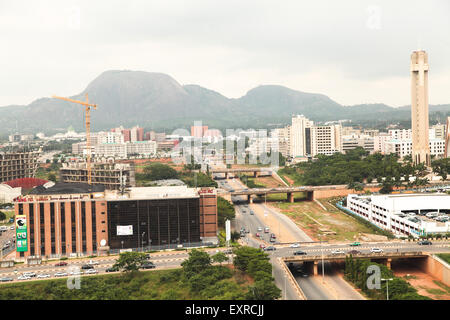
256 171
386 257
312 192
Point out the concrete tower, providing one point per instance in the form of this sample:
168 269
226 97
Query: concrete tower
419 108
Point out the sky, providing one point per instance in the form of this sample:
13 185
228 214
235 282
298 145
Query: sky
354 51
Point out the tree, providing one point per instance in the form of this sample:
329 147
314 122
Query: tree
225 211
197 262
263 289
2 216
52 177
246 254
130 261
159 171
219 257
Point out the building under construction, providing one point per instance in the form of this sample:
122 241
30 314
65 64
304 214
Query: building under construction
112 176
17 165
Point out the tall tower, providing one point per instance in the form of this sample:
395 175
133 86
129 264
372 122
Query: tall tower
419 108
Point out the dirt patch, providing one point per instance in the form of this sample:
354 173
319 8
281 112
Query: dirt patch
425 284
289 180
269 182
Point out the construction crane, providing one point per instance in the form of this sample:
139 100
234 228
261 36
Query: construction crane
87 109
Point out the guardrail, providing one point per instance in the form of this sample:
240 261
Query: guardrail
357 255
297 288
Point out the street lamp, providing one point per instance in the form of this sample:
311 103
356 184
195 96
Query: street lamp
387 286
323 265
142 241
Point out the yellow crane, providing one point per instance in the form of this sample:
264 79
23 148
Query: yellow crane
87 109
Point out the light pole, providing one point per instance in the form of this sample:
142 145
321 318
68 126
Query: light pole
122 244
323 265
387 286
142 241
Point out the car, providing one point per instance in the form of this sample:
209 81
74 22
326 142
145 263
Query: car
251 212
76 273
295 245
148 265
376 250
92 262
112 269
259 229
91 271
6 279
300 253
266 230
43 276
337 252
354 252
61 264
87 266
425 243
270 248
11 228
257 234
61 274
29 274
262 246
355 244
23 278
228 251
301 273
273 240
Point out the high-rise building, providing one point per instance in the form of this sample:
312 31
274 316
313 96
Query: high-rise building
419 108
298 143
447 139
325 140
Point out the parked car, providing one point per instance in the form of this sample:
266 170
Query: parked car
112 269
425 243
337 252
295 245
355 244
91 271
61 264
61 274
22 277
270 248
300 253
6 279
87 266
29 274
354 252
148 265
43 276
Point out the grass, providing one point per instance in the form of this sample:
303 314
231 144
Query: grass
445 257
436 292
151 285
442 285
313 219
9 214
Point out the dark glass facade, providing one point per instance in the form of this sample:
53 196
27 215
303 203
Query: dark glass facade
154 222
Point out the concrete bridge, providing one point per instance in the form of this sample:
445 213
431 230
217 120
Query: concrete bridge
384 257
256 171
312 192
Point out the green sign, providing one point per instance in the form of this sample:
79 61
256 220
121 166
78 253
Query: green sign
21 234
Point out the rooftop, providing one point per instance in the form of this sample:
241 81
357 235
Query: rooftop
67 188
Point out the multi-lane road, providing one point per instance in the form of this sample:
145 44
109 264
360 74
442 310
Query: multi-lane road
333 286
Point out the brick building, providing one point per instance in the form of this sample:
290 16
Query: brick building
79 219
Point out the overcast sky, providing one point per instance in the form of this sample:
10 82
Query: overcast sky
353 51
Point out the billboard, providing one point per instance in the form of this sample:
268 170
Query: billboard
21 234
125 230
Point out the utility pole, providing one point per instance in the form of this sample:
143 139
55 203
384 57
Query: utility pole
387 286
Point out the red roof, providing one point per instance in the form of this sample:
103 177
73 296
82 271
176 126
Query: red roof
25 183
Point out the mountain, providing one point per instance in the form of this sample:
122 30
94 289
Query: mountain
157 101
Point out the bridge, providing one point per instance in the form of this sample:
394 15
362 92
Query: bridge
385 257
312 192
256 171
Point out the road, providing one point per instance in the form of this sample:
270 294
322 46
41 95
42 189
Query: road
333 287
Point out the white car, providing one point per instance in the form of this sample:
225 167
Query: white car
376 250
76 273
337 252
61 274
23 277
92 262
259 229
43 276
91 271
29 274
11 228
295 245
